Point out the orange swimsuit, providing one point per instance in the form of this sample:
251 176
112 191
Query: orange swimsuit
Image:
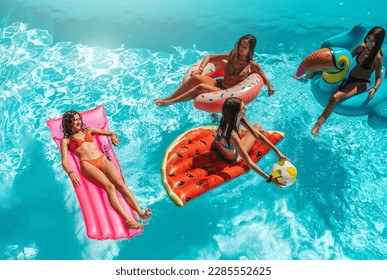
75 143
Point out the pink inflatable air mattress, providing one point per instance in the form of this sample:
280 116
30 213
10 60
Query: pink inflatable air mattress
101 220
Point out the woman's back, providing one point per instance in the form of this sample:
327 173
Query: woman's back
228 152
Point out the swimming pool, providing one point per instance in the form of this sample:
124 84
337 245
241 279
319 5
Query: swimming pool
81 54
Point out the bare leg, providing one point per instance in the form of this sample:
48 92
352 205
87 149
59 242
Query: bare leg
345 93
92 173
190 94
187 86
111 172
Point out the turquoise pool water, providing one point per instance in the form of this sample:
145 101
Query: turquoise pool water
80 54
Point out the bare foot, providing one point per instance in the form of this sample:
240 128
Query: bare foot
315 130
317 126
133 224
161 102
296 77
146 215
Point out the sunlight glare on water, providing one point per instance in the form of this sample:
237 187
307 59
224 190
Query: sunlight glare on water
336 208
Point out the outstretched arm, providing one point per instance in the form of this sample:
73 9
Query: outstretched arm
113 135
65 163
257 68
236 142
259 136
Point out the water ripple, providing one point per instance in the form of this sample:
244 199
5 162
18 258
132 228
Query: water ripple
337 201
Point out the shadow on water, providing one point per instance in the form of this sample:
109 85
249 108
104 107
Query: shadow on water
322 180
172 230
40 210
179 229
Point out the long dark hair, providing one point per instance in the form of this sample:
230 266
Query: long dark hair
67 121
379 34
228 122
234 54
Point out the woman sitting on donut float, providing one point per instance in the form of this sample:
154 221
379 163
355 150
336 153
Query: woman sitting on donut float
242 77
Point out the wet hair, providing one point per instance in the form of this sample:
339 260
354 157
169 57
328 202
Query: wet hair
234 54
67 121
379 34
228 123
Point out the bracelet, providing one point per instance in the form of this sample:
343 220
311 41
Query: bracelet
70 172
113 134
201 68
270 179
374 89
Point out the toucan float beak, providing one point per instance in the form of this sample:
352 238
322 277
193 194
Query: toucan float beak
320 60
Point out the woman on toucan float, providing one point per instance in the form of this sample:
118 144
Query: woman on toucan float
369 59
